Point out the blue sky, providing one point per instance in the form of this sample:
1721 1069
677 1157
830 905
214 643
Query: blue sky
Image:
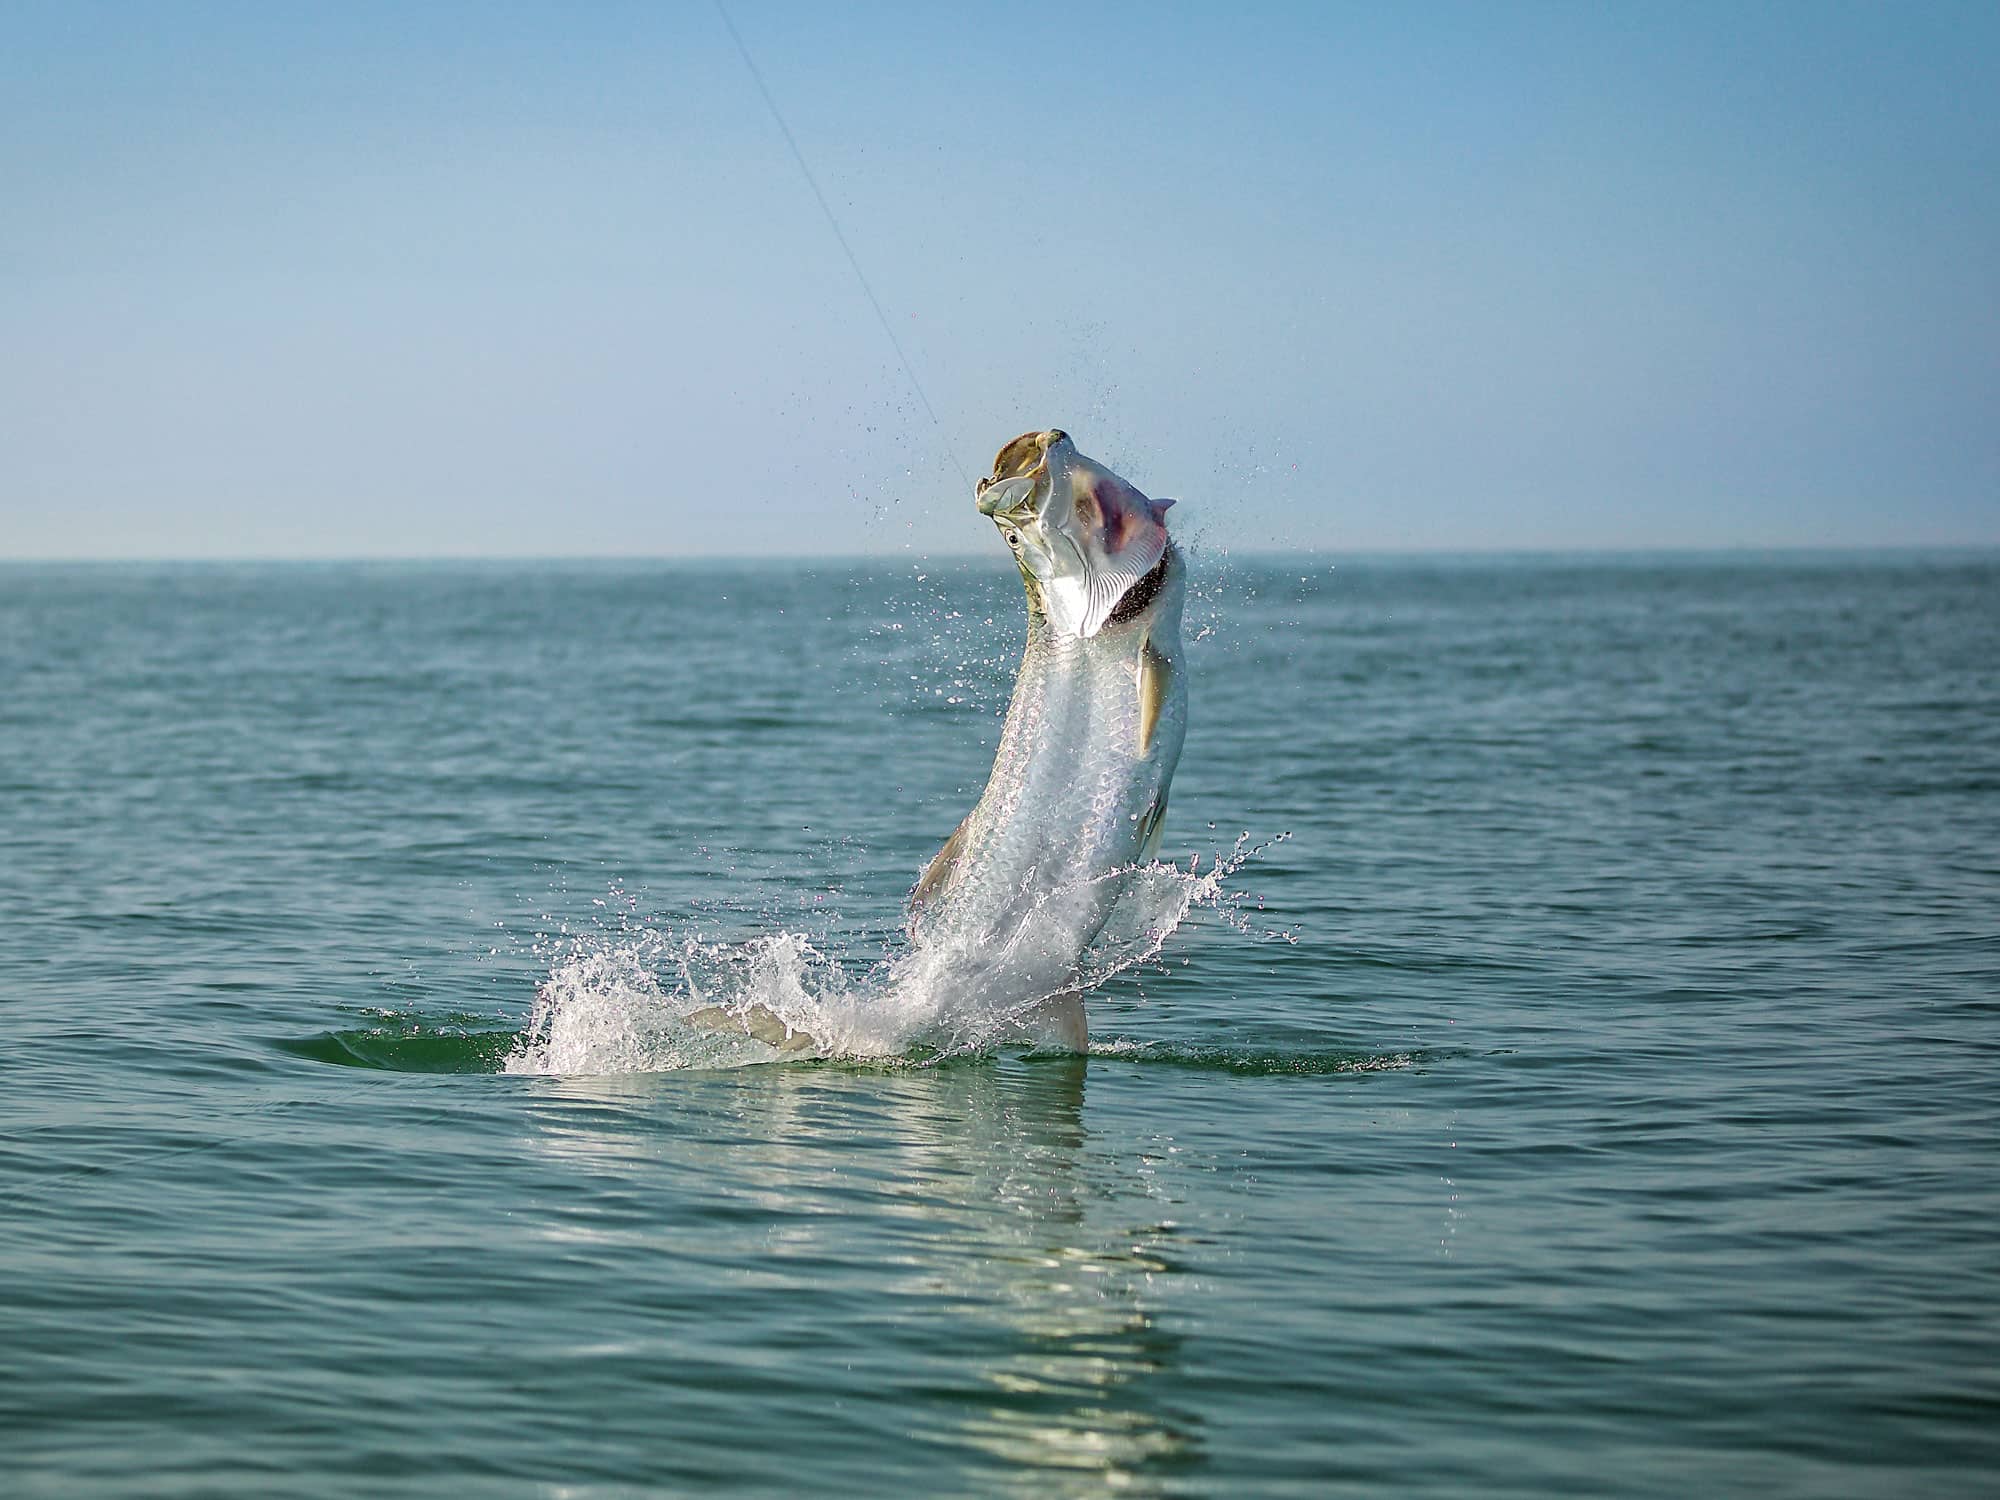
439 280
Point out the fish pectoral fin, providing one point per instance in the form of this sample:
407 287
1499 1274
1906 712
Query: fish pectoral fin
938 874
759 1022
1156 681
1156 820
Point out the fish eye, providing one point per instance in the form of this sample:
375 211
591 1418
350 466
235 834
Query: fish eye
1014 540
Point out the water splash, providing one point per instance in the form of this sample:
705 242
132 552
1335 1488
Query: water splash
621 1001
618 1002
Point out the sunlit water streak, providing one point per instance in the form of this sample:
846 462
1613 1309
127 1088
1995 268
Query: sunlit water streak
1602 1097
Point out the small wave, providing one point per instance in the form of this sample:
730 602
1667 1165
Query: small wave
407 1045
1263 1062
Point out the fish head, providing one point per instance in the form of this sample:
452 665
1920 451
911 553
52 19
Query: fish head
1081 535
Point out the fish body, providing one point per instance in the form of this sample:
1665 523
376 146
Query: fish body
1002 917
1093 733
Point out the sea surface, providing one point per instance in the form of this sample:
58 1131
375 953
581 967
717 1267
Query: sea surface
1597 1092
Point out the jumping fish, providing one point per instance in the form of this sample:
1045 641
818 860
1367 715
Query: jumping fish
1001 916
1079 787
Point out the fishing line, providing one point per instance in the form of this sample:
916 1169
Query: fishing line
833 223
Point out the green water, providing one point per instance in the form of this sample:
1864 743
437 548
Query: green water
1598 1093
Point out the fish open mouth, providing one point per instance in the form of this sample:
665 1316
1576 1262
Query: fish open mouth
1020 483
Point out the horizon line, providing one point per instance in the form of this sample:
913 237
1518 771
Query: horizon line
1197 547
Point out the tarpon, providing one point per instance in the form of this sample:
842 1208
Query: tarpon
1079 787
1001 916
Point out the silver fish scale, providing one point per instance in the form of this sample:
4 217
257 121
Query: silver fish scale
1065 814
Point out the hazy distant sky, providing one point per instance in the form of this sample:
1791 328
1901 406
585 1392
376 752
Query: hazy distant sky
355 279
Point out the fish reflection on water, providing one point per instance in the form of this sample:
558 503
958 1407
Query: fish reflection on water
968 1205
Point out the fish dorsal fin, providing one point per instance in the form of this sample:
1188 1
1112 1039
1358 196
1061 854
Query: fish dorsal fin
938 874
1156 681
1149 840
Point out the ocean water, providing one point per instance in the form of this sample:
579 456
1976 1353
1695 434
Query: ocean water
1598 1092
